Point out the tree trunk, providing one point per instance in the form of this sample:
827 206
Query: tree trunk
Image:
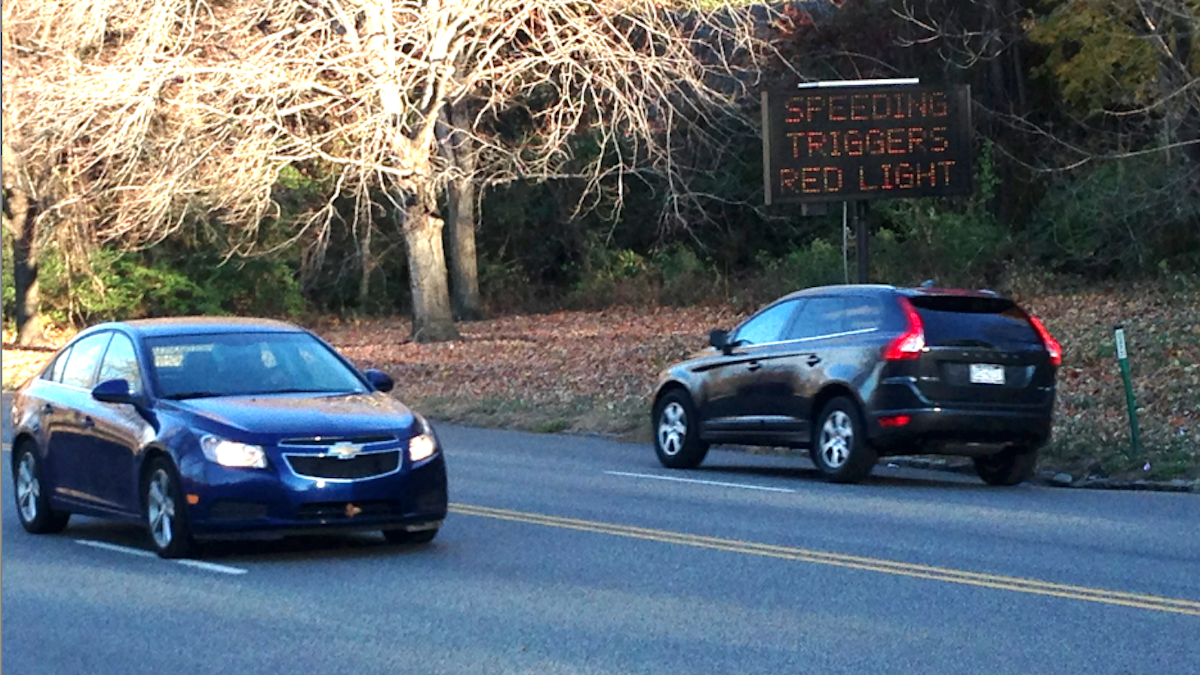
20 217
25 282
460 235
368 266
460 251
433 321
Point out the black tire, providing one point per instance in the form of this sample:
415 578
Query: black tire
1013 466
175 540
406 537
676 429
32 497
840 449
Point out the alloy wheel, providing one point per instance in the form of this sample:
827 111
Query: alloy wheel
28 488
672 428
837 439
160 509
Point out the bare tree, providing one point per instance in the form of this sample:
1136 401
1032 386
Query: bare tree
158 112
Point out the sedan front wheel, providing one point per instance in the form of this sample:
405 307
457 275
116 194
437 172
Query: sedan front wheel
166 514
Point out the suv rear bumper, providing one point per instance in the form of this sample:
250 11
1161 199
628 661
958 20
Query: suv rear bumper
928 428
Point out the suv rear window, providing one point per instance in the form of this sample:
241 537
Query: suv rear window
964 321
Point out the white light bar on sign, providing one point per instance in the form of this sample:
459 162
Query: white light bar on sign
858 83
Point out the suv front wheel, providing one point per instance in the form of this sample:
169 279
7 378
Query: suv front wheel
677 432
839 446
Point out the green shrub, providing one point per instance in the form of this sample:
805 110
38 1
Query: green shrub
818 264
954 242
613 277
1126 216
9 287
504 284
686 280
124 286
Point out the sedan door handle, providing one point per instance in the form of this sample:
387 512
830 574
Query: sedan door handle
813 360
47 409
88 422
754 365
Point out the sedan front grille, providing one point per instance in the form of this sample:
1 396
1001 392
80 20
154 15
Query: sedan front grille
366 465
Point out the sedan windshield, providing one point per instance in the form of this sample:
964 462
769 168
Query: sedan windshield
248 364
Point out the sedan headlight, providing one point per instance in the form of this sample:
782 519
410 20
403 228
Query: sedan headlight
423 445
232 453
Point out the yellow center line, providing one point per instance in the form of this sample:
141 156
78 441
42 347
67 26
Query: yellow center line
943 574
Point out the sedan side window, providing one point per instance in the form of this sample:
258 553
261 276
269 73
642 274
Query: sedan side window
768 325
120 363
80 370
821 317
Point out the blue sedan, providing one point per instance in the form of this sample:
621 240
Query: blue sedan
207 428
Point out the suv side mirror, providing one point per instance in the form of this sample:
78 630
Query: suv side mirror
380 380
113 391
719 339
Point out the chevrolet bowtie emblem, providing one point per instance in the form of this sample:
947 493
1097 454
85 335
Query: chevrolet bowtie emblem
352 510
345 450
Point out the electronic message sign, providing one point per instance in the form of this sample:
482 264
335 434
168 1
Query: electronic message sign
847 143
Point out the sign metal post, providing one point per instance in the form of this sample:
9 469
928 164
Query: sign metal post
1135 430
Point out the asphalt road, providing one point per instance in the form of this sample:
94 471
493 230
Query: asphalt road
579 555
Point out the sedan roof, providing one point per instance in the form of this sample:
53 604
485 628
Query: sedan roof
199 325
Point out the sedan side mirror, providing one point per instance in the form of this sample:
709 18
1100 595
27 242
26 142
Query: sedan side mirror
719 339
113 391
380 380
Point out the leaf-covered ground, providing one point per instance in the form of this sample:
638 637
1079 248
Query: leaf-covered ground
592 371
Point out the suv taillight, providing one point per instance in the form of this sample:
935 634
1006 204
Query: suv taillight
912 342
1052 345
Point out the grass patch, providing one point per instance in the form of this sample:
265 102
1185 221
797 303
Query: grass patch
580 415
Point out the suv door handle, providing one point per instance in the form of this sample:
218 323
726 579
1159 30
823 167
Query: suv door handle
47 409
754 365
813 360
88 422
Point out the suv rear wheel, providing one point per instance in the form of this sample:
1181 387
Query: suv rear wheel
839 447
1010 467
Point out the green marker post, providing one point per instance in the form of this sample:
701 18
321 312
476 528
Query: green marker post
1135 430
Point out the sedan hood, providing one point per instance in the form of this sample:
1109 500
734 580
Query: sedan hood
270 418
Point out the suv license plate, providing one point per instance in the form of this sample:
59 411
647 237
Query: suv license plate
987 373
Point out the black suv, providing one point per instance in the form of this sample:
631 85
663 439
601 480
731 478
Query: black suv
858 372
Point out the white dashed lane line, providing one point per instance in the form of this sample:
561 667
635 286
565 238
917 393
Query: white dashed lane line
673 479
195 564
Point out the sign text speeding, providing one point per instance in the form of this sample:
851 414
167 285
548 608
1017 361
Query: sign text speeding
866 142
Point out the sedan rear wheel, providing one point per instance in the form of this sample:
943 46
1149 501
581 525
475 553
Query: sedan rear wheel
840 448
677 432
166 515
33 504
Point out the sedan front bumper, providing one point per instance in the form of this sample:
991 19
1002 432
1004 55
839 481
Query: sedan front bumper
233 503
